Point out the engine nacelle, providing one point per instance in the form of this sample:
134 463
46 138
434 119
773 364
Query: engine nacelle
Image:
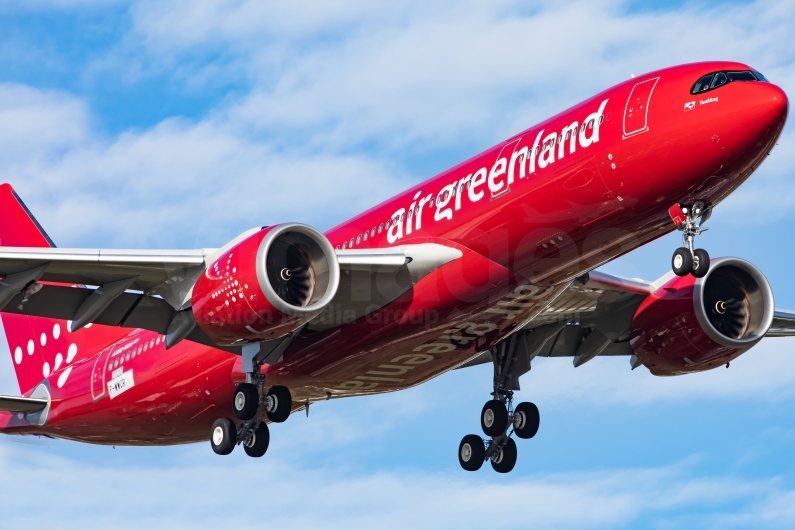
691 325
267 285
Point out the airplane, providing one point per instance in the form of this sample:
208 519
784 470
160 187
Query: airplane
492 261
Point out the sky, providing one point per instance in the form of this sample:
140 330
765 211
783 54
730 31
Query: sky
152 124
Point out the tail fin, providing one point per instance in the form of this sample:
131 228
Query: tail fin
39 347
18 227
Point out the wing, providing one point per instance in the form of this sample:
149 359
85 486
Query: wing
596 305
151 289
783 324
592 318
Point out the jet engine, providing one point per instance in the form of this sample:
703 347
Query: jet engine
691 325
266 285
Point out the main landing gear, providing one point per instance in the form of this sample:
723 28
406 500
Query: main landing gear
498 419
690 220
251 405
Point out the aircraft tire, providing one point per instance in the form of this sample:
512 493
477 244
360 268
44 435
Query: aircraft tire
471 452
279 402
494 418
506 459
223 436
245 401
703 263
257 445
526 420
682 262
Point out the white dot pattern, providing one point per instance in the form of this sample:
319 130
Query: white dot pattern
71 352
55 363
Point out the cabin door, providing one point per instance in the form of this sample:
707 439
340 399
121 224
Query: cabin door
636 112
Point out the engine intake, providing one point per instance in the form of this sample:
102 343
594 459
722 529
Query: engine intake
734 303
692 325
266 285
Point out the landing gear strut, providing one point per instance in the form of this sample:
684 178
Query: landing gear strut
690 220
251 405
498 419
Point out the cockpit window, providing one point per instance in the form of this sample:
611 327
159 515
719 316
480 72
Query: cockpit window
741 76
703 84
718 79
760 76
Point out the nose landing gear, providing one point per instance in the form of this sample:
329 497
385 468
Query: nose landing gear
498 419
690 220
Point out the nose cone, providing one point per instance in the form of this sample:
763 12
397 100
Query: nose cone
771 105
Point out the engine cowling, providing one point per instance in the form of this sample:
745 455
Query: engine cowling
691 325
266 285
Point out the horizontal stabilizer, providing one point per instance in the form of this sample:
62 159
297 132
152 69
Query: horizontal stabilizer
21 404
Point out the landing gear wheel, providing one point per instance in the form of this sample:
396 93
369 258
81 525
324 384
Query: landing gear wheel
278 403
257 443
682 262
700 263
526 420
494 418
223 436
505 458
471 452
245 402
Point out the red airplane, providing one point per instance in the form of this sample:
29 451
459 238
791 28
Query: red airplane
491 261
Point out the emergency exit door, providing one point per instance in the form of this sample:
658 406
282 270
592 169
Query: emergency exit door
636 113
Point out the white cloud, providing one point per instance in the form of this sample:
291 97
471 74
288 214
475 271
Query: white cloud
196 491
764 373
341 96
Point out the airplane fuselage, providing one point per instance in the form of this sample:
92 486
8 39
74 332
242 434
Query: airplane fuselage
530 215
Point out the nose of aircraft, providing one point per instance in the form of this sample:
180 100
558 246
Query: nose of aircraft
772 104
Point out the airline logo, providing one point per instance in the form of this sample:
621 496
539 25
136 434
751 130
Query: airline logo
690 105
546 149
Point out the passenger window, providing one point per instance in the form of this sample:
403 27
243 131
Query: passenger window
372 232
702 85
338 247
350 243
720 80
388 224
741 76
344 246
380 227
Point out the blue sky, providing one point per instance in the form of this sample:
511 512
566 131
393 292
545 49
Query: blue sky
181 124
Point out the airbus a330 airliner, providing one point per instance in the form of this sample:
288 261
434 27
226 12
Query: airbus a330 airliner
491 261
